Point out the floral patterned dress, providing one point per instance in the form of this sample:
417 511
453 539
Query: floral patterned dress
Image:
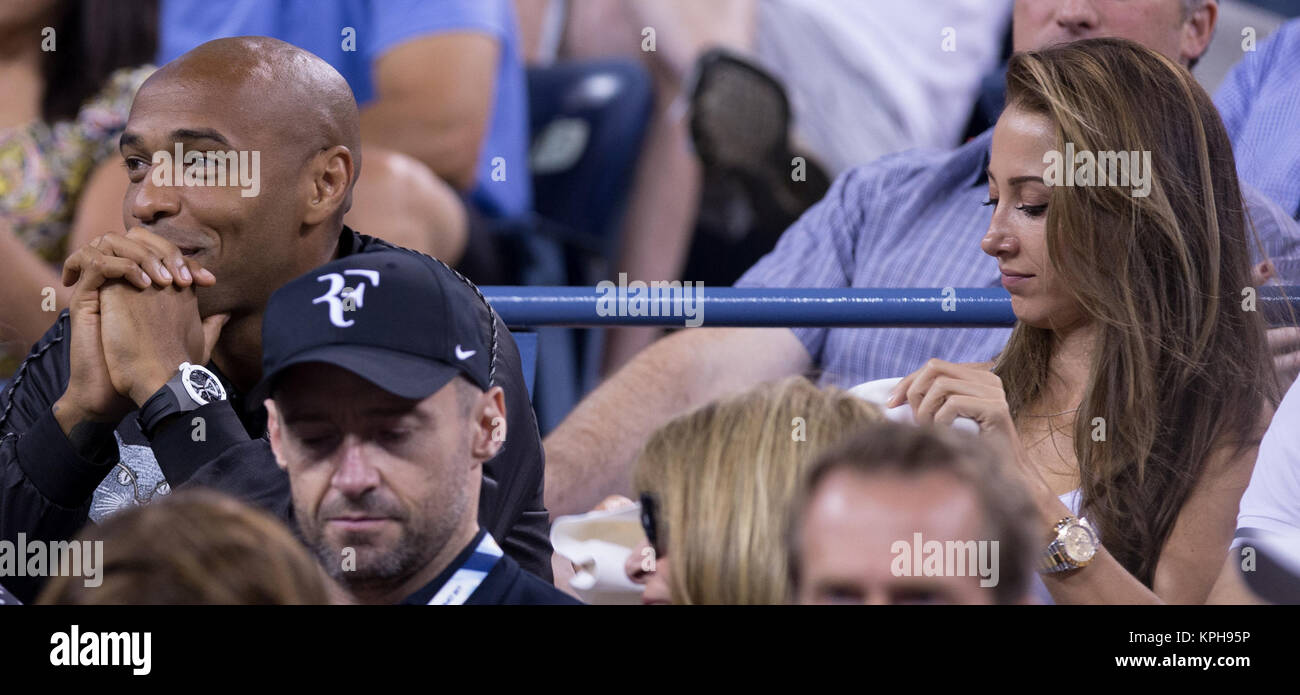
44 167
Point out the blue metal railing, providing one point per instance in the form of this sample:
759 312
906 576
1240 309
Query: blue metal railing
915 307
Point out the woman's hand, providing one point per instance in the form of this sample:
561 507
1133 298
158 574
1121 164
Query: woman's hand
940 392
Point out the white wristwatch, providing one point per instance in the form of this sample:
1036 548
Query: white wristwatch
192 387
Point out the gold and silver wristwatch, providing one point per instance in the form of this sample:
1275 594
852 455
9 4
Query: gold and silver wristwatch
1075 546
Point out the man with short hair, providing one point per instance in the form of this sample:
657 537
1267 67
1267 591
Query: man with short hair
912 219
899 514
382 413
139 387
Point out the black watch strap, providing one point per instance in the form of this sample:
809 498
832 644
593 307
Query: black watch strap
160 406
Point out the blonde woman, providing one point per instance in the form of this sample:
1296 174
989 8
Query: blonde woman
715 484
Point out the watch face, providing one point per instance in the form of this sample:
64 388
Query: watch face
203 386
1078 543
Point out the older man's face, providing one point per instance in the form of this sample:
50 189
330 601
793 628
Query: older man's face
1160 25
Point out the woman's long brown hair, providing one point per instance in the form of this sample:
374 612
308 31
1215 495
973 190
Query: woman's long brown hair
1180 368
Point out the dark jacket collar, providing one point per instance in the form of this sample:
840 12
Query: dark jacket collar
425 593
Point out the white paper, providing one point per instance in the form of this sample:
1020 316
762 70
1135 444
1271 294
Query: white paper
599 544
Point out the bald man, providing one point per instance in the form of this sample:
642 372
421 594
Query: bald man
137 388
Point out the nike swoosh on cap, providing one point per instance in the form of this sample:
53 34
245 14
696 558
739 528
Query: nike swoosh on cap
464 354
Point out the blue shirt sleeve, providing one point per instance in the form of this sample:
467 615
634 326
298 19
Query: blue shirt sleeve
395 21
819 249
1258 101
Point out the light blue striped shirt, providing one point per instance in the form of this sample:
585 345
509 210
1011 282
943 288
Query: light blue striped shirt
915 219
1260 104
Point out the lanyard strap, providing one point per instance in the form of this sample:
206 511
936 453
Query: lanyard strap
470 575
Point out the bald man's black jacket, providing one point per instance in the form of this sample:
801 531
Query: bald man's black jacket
46 487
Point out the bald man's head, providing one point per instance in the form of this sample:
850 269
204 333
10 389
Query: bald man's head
281 108
289 87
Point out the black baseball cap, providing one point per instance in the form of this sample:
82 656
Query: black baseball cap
398 319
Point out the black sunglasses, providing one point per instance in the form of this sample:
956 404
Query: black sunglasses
650 521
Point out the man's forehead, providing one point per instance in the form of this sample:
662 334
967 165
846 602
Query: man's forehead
178 104
891 502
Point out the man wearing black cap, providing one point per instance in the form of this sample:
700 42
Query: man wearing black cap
138 388
382 412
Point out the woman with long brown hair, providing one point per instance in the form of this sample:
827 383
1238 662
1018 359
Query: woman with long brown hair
1136 384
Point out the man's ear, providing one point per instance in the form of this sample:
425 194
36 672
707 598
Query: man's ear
332 171
1198 29
273 429
489 415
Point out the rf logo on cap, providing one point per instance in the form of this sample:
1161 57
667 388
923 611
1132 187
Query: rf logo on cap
354 299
